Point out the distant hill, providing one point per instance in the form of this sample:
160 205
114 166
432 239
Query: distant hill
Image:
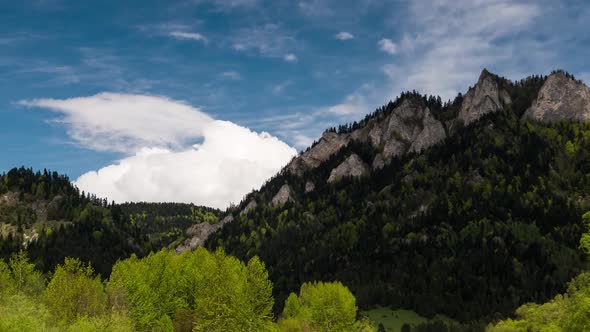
466 208
44 214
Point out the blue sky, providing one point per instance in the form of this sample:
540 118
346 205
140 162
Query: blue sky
287 68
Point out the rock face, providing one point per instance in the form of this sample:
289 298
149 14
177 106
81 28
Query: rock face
251 205
485 97
378 162
198 234
283 196
352 166
409 127
309 186
329 144
561 98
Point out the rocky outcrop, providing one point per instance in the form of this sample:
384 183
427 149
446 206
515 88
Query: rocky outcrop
283 196
561 98
251 205
329 144
199 233
353 166
485 97
378 162
309 186
409 127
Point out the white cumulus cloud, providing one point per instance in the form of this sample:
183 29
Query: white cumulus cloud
174 151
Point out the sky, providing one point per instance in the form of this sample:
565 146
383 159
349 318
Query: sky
203 100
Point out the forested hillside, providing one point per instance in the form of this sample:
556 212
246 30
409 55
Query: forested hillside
44 214
474 225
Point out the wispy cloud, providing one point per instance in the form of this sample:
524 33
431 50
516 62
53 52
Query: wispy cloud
269 40
231 74
183 35
343 35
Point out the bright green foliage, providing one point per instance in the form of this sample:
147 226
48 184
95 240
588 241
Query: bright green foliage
75 292
569 312
208 291
20 313
24 276
322 307
585 240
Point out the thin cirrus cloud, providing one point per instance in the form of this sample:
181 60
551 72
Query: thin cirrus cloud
343 35
174 152
182 35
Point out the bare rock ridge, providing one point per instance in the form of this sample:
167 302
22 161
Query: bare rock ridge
561 98
410 127
352 166
485 97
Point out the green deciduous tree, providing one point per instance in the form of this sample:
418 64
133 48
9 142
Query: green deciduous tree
75 292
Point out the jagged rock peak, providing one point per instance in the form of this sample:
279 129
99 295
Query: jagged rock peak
561 98
352 166
283 196
485 97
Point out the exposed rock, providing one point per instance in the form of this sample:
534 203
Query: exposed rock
329 144
251 205
561 98
432 133
352 166
378 162
485 97
283 196
309 186
199 233
409 127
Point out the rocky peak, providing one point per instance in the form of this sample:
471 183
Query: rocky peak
485 97
561 98
283 196
352 166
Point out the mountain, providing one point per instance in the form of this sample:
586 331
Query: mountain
466 208
46 215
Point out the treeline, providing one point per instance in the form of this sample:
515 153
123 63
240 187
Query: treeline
194 291
475 226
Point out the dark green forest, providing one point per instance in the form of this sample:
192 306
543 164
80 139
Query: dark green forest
471 228
45 214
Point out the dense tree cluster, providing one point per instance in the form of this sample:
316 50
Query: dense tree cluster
194 291
472 227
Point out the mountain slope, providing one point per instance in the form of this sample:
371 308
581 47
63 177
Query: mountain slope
475 221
